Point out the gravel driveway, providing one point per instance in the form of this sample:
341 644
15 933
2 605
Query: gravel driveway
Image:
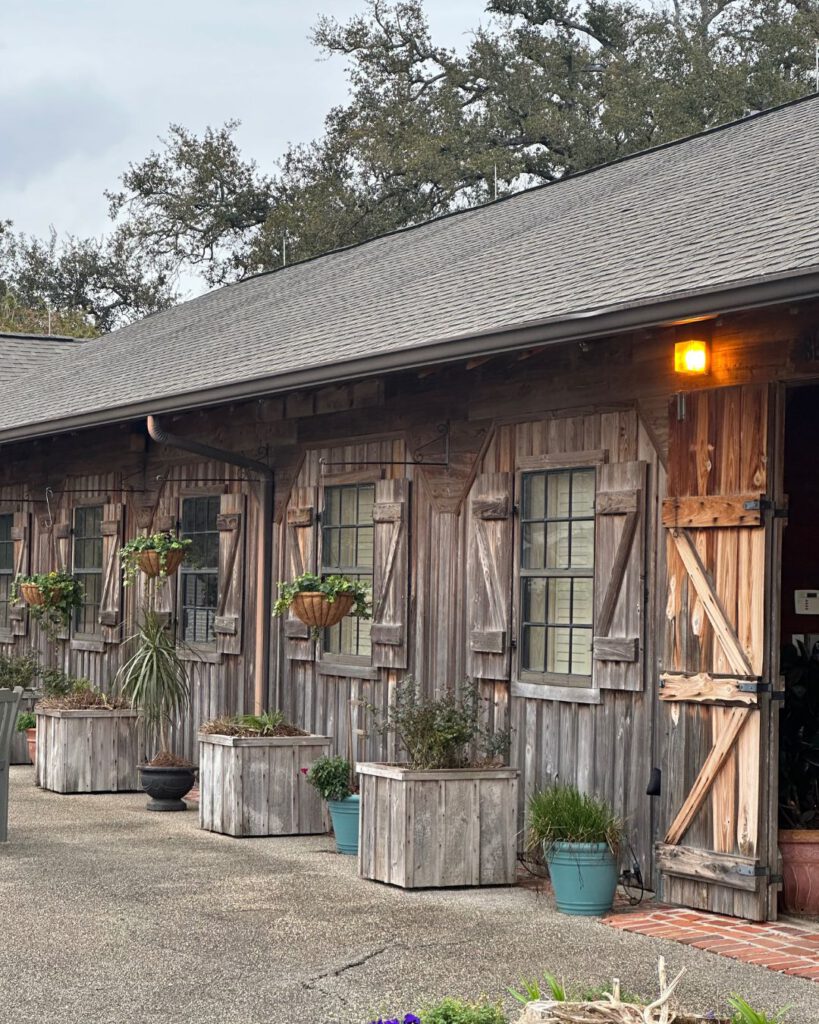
114 915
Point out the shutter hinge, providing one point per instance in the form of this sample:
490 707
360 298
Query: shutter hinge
766 505
513 641
777 694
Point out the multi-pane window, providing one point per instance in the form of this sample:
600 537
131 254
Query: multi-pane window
347 550
88 567
557 573
199 574
6 568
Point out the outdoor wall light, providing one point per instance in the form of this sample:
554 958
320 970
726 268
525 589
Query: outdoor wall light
692 357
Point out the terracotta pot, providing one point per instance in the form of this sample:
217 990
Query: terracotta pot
800 870
315 610
32 594
31 741
149 562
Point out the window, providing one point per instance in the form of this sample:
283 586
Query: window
347 549
88 567
6 568
557 575
199 574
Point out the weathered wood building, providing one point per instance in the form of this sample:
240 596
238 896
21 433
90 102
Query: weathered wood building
482 415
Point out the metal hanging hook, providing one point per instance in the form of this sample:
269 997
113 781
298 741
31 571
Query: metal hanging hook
49 494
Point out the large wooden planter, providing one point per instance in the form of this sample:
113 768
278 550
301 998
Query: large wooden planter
90 751
19 747
256 786
439 828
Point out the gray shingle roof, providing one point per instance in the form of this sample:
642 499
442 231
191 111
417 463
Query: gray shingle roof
734 205
24 354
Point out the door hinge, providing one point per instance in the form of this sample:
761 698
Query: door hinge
766 505
752 870
753 686
777 694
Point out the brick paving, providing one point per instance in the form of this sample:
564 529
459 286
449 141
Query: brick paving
780 947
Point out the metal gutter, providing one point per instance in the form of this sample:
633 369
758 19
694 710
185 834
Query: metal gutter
264 568
763 291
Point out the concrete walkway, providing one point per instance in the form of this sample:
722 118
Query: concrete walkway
113 915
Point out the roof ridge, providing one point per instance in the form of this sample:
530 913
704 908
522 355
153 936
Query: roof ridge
492 203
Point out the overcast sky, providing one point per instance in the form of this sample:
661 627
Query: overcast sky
86 86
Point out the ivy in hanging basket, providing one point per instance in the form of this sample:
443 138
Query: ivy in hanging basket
169 552
52 598
323 601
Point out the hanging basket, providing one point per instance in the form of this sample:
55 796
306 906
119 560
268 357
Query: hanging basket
32 594
151 565
316 611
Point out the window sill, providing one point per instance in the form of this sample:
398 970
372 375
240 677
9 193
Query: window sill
549 691
207 655
346 670
94 644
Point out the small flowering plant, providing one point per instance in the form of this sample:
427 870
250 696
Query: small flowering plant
61 594
408 1018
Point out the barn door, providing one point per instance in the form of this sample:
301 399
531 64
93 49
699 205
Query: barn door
718 849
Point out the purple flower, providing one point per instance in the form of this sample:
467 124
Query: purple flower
410 1018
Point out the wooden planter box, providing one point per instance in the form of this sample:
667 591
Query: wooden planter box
439 828
19 749
90 751
256 786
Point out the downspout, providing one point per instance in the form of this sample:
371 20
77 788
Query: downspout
264 575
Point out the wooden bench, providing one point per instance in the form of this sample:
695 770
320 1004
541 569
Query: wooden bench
9 703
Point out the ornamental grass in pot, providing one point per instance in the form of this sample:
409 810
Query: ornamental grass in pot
580 838
320 602
155 682
334 779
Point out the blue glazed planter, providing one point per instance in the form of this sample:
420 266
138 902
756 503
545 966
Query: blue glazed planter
584 877
345 823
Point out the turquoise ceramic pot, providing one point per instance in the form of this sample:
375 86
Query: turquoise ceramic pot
345 823
584 877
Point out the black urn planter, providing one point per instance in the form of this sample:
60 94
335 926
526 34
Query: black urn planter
166 786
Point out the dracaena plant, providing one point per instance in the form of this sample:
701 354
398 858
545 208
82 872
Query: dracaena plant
154 678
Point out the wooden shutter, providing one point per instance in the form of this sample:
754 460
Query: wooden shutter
21 535
300 556
489 577
619 576
110 616
718 815
390 622
231 526
61 549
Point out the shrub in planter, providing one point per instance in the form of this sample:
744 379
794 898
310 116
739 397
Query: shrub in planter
333 778
154 679
87 741
27 723
414 835
158 555
320 602
52 598
252 781
580 837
